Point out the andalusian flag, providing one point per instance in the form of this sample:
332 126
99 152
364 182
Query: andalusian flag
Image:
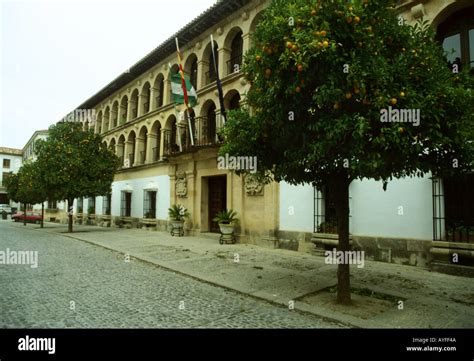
183 94
182 89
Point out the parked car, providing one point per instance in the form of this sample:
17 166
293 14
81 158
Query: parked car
31 217
6 208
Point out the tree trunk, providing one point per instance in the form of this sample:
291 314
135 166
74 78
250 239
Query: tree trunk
24 214
42 214
69 214
340 190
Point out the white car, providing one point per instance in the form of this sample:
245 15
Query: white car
6 208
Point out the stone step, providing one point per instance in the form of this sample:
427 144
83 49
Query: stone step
452 269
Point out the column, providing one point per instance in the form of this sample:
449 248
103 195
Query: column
162 143
224 56
141 101
167 92
153 95
246 43
150 144
128 150
138 148
203 67
129 110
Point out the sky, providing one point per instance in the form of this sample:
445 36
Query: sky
55 55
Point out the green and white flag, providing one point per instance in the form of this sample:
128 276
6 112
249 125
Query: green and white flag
177 90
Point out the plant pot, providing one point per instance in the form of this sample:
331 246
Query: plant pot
177 227
227 233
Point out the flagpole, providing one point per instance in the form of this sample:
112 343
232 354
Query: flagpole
177 118
183 81
219 86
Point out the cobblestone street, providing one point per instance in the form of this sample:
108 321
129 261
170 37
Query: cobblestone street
80 285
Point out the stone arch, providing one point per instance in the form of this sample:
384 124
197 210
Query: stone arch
142 144
134 104
234 45
171 135
208 62
123 110
120 148
145 94
98 123
159 88
208 123
232 99
155 140
106 121
130 148
114 114
191 69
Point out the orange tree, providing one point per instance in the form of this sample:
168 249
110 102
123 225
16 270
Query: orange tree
26 187
75 163
321 75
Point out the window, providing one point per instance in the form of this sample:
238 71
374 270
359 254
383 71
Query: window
79 205
325 220
456 35
126 204
453 209
52 204
149 204
91 203
6 163
106 204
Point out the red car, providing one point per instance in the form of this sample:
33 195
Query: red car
30 217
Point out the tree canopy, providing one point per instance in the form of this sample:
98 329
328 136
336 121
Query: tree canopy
330 82
75 163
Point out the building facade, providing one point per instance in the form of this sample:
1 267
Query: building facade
168 159
10 162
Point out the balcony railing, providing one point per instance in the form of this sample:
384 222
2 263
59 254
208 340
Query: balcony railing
234 65
203 132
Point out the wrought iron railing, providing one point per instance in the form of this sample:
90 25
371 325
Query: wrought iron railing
203 134
234 64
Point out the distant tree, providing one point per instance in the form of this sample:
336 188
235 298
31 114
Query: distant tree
323 75
26 187
75 163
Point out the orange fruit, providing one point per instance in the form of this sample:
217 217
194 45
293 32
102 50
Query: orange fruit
294 47
313 12
401 129
268 72
402 94
258 58
393 101
348 95
289 44
297 89
325 44
300 68
336 106
356 19
323 33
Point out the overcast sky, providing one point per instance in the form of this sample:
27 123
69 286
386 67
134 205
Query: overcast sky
54 55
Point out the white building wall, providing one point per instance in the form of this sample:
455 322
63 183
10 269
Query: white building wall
137 186
296 207
405 210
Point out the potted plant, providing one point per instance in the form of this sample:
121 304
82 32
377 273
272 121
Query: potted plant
227 220
177 213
